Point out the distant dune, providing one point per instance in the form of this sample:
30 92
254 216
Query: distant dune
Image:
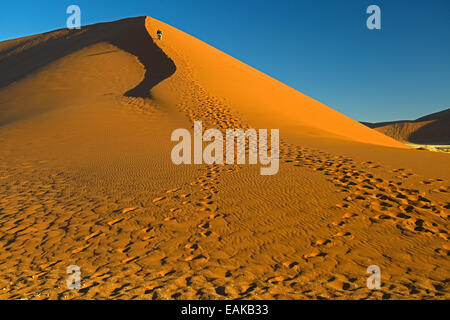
86 179
430 129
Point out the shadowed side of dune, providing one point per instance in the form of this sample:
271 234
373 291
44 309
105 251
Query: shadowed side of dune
21 57
157 64
430 129
436 132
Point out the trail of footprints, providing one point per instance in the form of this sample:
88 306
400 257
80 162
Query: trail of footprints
377 194
386 201
146 106
196 202
198 105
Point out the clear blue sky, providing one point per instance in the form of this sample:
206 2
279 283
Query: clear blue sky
320 47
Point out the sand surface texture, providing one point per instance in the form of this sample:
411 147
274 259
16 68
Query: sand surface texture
86 179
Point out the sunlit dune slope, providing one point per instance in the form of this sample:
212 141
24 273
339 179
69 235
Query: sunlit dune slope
260 99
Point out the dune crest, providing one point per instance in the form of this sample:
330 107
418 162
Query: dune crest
256 95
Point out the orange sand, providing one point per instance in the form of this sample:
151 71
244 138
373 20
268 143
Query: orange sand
86 179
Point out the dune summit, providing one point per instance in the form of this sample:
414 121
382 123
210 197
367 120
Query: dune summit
87 180
137 37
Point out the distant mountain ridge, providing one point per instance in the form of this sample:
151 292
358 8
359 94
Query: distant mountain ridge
429 129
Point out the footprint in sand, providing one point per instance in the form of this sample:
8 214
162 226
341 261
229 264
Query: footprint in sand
323 242
339 285
349 215
206 233
192 247
341 234
197 258
338 223
313 254
291 264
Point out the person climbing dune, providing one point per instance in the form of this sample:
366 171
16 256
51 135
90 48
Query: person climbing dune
159 34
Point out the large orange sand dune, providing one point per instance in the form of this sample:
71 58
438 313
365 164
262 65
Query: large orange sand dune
86 179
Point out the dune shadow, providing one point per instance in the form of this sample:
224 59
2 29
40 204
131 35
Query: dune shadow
102 53
436 133
21 57
158 66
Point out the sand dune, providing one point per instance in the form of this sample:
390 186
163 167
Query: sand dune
86 179
430 129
